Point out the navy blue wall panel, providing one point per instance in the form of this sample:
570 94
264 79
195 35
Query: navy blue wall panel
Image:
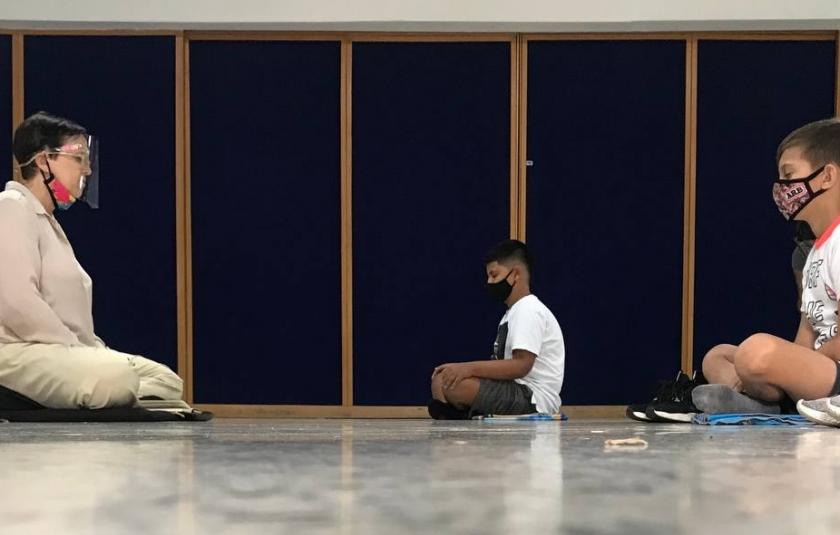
605 208
6 106
750 95
121 89
265 136
431 179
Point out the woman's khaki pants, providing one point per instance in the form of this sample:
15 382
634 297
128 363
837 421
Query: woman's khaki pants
62 377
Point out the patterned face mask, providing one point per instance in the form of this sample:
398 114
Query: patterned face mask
794 194
61 196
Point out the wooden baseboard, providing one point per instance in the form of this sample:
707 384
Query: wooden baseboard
274 411
337 411
594 411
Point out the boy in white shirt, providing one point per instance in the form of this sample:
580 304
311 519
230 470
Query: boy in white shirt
755 375
525 373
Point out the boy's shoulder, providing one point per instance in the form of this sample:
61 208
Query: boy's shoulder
828 250
530 304
829 242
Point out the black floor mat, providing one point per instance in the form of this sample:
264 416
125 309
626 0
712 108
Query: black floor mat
102 415
15 407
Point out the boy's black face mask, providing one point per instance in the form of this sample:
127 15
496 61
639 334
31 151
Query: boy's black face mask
500 291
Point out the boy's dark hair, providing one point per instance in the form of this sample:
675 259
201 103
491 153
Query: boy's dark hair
38 132
508 250
819 141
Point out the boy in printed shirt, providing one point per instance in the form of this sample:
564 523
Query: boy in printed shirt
759 373
525 373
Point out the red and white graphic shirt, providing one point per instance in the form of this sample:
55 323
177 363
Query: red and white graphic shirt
820 282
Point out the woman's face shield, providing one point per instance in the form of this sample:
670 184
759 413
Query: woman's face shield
87 155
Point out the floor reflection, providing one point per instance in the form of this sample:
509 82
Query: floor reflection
399 476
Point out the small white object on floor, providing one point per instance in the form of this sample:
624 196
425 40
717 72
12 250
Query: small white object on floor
633 442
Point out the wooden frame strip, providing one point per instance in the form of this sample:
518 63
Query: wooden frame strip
514 137
607 36
275 411
181 225
818 35
837 74
102 32
423 37
338 411
689 205
222 35
346 224
523 137
189 386
372 36
210 35
678 36
17 80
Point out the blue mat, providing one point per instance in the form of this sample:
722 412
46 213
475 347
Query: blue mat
524 417
749 418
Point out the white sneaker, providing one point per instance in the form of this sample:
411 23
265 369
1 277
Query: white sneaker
817 410
834 406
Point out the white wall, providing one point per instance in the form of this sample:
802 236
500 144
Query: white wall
426 15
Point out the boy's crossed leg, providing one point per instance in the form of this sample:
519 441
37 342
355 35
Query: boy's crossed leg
765 368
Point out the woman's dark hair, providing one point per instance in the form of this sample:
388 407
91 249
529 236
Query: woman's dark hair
38 132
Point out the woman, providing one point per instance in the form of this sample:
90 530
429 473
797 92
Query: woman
48 349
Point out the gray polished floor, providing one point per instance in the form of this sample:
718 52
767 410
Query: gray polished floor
416 476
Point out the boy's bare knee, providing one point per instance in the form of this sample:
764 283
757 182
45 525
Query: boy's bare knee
709 366
758 344
717 361
754 356
437 389
709 360
721 350
462 395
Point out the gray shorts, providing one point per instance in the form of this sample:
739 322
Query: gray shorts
502 397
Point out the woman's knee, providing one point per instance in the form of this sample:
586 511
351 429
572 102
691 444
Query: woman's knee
111 385
157 380
173 382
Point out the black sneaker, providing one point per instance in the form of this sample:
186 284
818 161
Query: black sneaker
444 411
678 408
665 391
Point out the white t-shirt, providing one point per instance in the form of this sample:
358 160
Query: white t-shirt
820 282
531 326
